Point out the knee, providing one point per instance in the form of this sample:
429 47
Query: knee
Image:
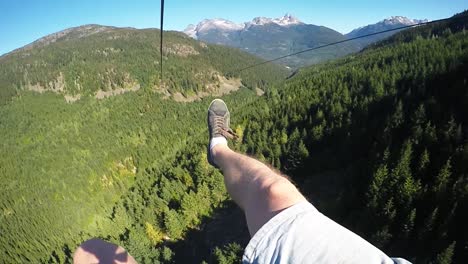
279 188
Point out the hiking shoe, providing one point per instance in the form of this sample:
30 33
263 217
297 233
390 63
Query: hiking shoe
218 124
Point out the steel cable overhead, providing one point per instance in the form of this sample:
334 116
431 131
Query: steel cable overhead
161 39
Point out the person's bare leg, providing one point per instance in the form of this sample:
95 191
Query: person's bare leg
258 190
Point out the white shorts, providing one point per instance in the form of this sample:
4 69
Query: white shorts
301 234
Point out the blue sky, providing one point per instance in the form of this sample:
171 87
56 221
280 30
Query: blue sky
23 21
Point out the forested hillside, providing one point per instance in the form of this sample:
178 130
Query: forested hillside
73 171
100 61
378 141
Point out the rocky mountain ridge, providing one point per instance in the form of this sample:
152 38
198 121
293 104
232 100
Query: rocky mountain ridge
273 37
226 25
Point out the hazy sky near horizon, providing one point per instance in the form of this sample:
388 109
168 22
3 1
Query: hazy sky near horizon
23 21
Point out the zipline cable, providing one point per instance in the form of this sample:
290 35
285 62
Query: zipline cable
350 39
161 39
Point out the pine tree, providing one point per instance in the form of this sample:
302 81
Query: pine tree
423 161
440 184
445 257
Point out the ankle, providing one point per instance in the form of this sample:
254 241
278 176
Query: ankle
217 141
218 149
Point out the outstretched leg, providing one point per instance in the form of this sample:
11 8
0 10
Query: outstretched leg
258 190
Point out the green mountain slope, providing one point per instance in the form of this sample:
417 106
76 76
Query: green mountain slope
95 60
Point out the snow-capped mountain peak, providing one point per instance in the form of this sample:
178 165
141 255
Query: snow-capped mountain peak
211 24
229 26
218 23
260 21
191 31
287 20
400 20
388 23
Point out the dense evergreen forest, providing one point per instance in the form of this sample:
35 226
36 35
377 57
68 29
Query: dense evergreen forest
378 141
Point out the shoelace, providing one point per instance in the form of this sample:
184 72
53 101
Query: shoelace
220 129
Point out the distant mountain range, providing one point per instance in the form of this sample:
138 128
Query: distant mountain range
386 24
270 38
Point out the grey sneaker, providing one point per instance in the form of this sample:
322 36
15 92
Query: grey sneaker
218 123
